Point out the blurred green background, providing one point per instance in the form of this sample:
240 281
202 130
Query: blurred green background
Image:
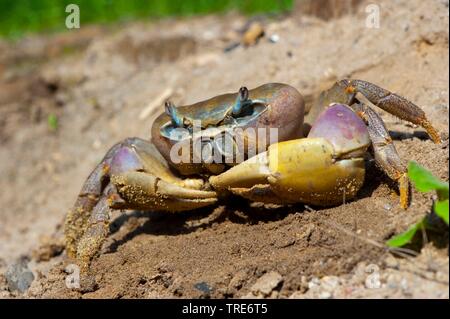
19 17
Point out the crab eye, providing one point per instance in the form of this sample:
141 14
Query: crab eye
171 110
240 100
243 94
167 108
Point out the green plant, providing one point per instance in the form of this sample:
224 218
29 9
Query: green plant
425 182
20 17
52 122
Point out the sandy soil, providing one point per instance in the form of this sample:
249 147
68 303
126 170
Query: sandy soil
98 81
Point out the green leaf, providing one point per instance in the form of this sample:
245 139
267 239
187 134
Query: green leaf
441 209
424 180
406 237
442 194
52 122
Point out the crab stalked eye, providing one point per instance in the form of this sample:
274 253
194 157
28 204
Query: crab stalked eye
240 100
243 93
171 110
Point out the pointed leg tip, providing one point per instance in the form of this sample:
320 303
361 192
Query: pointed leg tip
404 191
432 132
404 204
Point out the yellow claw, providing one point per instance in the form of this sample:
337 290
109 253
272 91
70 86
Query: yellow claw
144 191
303 170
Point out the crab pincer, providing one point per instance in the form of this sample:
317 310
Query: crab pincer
323 169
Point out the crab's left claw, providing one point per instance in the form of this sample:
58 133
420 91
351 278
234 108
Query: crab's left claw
302 170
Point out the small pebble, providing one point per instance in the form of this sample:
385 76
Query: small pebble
314 282
18 276
203 287
265 284
404 284
274 38
325 295
391 262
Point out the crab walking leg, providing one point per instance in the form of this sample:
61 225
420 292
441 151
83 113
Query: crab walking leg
132 175
97 230
392 103
386 155
89 196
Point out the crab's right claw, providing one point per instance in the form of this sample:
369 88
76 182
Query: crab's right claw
139 190
132 175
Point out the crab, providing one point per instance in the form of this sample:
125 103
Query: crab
262 144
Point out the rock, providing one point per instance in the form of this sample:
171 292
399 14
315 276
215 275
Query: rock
265 284
404 284
392 281
330 283
204 288
314 282
18 276
391 262
325 295
274 38
49 247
